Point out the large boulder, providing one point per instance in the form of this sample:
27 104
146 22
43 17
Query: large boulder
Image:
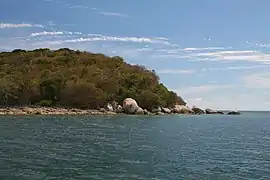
181 109
197 110
139 111
130 106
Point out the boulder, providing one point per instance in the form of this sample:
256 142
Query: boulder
156 110
109 107
160 113
146 112
197 110
115 105
166 110
130 106
234 113
103 110
119 109
180 109
139 111
211 111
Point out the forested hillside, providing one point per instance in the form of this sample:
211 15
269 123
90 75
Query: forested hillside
71 78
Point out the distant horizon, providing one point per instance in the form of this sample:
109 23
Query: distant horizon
212 54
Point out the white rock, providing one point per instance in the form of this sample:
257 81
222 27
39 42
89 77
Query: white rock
166 110
182 109
139 111
130 106
109 107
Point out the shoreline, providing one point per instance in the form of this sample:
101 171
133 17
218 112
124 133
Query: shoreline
38 110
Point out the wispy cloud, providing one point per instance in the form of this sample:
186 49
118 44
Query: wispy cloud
114 14
97 37
54 33
240 55
22 25
205 48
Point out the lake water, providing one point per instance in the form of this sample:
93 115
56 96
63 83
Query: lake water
209 147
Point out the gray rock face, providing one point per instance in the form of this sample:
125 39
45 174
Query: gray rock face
130 106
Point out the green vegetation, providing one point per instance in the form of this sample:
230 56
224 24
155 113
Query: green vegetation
71 78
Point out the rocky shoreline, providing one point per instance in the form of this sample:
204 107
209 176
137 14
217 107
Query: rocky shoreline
129 106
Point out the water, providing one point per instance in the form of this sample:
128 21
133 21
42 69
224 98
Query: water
210 147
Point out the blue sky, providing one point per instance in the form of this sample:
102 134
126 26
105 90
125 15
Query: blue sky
214 54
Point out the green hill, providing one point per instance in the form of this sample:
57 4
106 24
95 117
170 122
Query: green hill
78 79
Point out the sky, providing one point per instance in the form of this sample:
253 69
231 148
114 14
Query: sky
214 54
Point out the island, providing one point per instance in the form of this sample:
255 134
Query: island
66 81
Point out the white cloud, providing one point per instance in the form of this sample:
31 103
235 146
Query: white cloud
22 25
114 14
175 71
241 55
205 48
54 33
98 37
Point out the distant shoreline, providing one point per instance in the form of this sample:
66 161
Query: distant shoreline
37 110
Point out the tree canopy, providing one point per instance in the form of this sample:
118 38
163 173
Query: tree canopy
70 78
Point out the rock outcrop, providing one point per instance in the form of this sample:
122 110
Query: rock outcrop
166 110
180 109
234 113
130 106
197 110
211 111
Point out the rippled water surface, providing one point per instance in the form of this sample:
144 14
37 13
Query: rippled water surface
125 147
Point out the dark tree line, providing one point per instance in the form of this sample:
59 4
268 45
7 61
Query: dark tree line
77 79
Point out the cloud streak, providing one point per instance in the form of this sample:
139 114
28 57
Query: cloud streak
114 14
21 25
97 37
54 33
